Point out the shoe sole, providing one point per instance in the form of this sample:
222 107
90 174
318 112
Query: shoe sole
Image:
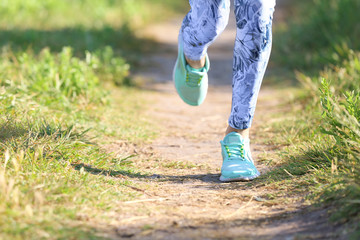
173 74
174 70
224 179
173 78
194 104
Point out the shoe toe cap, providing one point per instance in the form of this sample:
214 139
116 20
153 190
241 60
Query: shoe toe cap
236 170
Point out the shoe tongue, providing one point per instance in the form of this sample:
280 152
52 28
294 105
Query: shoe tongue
233 137
198 70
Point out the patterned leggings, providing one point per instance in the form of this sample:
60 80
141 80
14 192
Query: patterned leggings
207 19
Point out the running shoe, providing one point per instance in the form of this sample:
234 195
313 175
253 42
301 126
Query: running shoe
238 164
191 84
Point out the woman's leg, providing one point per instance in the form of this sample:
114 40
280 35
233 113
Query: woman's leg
205 21
251 55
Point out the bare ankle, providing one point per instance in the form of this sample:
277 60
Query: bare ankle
245 133
196 64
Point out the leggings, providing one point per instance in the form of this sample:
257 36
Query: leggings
207 19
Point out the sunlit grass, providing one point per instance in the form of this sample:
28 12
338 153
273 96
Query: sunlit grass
55 14
53 172
320 142
59 108
318 136
44 178
85 25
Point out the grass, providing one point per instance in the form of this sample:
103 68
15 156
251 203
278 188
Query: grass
84 25
65 96
52 168
52 78
320 149
54 14
341 119
327 33
44 175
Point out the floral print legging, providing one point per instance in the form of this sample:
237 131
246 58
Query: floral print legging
207 19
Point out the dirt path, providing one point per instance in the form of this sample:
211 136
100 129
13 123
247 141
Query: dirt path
184 199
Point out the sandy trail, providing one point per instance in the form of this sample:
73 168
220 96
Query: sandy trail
184 199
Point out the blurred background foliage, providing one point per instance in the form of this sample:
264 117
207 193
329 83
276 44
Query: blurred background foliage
82 24
60 49
322 32
321 42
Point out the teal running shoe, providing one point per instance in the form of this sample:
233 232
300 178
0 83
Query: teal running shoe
238 164
191 84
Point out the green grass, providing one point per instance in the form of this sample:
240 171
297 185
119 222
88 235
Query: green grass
319 135
54 14
51 172
316 169
85 25
65 96
323 32
50 78
340 102
52 169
